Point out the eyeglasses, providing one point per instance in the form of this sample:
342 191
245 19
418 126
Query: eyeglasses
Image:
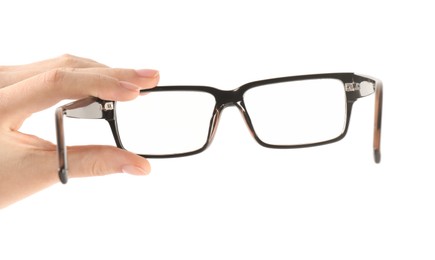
174 121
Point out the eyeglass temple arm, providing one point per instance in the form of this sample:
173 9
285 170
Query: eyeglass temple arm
87 108
369 85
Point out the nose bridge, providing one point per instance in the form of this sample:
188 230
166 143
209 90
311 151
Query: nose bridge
228 98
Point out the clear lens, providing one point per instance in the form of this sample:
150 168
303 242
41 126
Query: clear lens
297 112
165 122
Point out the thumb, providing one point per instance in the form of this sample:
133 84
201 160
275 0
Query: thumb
96 160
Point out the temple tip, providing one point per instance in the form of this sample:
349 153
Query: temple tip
377 154
63 175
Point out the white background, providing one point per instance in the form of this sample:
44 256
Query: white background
239 200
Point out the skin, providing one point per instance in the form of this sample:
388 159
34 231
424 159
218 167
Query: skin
29 163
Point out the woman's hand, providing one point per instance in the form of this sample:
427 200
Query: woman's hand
29 164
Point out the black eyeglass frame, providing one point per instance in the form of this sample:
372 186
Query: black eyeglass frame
355 87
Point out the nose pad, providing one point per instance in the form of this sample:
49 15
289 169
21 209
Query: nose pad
246 118
214 125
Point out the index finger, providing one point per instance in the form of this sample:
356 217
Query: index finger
13 74
20 100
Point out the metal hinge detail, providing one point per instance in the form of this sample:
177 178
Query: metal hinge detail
349 87
108 106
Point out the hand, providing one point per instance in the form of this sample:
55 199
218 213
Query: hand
29 164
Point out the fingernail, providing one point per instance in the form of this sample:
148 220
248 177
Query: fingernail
134 170
129 86
147 73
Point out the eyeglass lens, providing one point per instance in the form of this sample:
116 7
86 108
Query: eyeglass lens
286 113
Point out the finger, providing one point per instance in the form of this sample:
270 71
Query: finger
65 60
37 169
129 75
28 164
12 74
87 161
20 100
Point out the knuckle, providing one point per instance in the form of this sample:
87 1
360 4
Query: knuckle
99 167
69 60
56 76
95 169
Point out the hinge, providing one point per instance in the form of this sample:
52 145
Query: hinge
362 89
349 87
108 106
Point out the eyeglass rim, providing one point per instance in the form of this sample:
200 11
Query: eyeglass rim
236 95
110 114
